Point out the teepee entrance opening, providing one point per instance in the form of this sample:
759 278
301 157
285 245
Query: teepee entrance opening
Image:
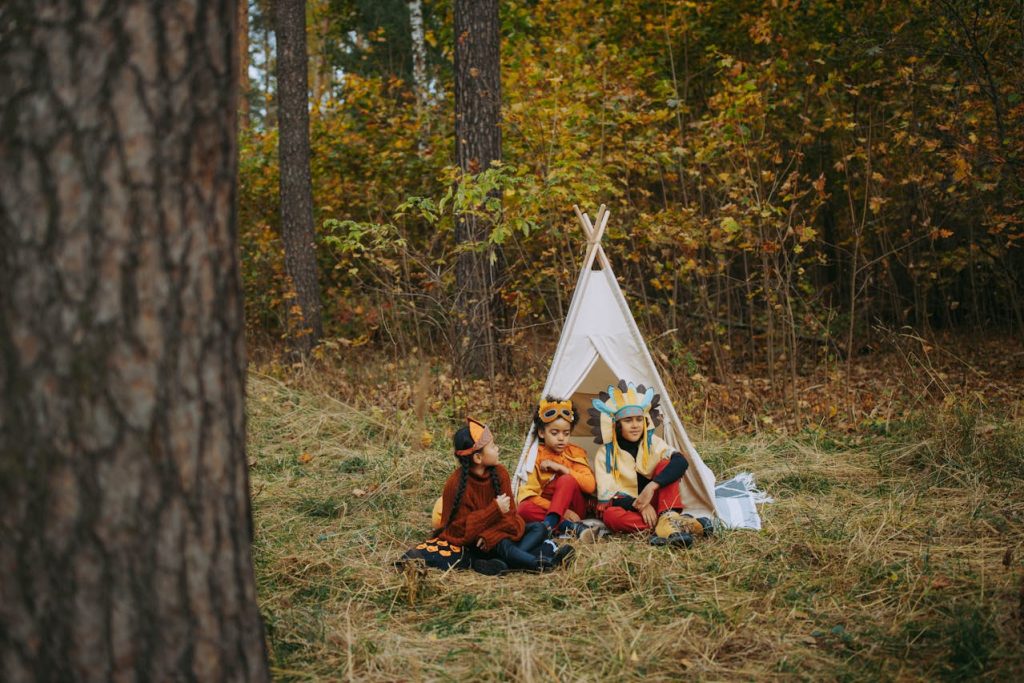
600 344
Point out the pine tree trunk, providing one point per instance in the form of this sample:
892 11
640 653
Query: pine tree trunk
477 145
303 297
125 522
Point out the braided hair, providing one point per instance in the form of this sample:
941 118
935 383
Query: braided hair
463 478
495 481
461 441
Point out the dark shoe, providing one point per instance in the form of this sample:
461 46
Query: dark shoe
680 540
490 566
563 556
709 526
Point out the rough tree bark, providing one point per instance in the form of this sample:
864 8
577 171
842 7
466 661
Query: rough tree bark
303 301
477 146
125 522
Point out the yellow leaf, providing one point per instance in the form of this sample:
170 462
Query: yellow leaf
305 458
426 439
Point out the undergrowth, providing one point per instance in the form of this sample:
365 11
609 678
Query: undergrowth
892 556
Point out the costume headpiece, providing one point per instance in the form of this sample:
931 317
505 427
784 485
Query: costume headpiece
618 402
481 434
549 411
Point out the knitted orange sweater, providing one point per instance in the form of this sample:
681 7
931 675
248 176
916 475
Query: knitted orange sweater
478 515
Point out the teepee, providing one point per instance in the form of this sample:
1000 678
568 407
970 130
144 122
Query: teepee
600 344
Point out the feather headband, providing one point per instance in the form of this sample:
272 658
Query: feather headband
624 400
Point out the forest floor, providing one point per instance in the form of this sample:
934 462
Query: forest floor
894 549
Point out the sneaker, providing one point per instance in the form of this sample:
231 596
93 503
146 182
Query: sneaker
577 531
588 535
490 566
547 551
672 530
563 556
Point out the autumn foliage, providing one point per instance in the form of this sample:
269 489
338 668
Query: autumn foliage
785 178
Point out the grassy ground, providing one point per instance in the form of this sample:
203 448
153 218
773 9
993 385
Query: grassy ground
893 556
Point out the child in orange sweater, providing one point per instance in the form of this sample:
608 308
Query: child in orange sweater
477 513
555 492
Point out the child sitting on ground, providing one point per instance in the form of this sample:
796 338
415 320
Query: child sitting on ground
556 488
637 472
477 511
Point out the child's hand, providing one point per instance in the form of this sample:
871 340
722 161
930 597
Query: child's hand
646 496
650 515
571 516
552 466
503 502
480 543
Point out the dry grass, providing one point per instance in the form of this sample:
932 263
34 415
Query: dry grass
884 557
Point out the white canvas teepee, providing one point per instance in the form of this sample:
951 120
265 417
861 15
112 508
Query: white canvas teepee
600 344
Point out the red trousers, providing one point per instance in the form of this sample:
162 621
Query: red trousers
621 520
564 493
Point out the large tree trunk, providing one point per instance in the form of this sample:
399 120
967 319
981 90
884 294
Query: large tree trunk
303 298
125 523
477 145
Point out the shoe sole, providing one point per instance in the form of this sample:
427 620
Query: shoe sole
489 568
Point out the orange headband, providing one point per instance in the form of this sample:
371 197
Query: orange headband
481 434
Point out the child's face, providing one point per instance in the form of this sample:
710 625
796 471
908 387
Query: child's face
489 455
556 434
631 428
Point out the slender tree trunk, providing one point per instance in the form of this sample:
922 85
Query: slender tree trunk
243 63
477 145
269 64
303 298
419 69
125 523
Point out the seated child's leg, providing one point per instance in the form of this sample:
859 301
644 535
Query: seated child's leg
536 533
622 521
516 557
565 494
531 512
667 497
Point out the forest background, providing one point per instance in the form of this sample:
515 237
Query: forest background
789 182
818 222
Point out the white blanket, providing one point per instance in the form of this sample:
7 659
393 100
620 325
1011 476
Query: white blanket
737 500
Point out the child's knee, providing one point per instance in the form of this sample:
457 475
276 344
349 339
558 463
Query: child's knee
567 482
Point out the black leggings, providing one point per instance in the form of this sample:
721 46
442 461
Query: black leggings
524 553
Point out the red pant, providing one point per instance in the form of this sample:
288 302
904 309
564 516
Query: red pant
621 520
564 493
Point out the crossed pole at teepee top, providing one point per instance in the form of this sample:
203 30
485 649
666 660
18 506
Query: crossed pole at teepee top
594 236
